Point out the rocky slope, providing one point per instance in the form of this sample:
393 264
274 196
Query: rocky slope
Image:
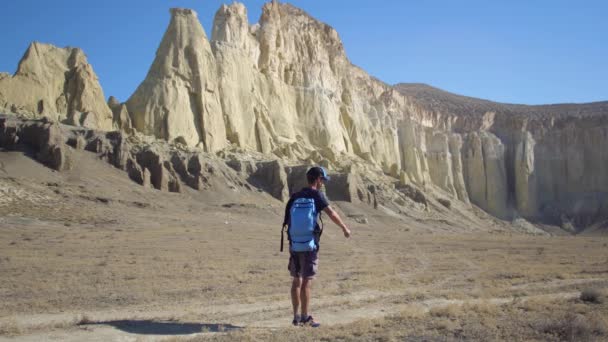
284 91
157 164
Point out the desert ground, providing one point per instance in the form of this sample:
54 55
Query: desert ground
87 254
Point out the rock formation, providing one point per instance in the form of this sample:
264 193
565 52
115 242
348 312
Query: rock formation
285 90
284 86
148 162
539 162
179 100
121 118
43 136
56 83
485 173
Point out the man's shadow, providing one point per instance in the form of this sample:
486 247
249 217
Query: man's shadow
150 327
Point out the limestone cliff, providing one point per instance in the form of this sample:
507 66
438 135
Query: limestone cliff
56 83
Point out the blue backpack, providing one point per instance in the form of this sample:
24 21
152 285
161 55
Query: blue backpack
303 232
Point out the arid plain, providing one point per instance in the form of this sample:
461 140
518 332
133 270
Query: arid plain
89 255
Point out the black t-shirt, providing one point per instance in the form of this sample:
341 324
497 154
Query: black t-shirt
319 198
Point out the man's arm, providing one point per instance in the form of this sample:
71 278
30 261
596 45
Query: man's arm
333 215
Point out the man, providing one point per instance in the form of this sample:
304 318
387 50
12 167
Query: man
301 214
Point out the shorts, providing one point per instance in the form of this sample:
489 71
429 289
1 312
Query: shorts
303 264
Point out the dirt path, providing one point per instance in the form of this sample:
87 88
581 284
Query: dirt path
155 324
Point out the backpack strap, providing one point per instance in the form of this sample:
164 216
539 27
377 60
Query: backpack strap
286 219
282 235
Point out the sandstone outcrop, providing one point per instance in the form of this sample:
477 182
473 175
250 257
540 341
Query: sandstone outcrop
179 100
296 177
562 171
56 83
120 113
525 186
440 161
282 85
412 145
43 137
271 176
455 143
485 173
539 162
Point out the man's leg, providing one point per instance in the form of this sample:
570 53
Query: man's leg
305 296
295 294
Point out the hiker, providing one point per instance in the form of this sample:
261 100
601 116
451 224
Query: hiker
304 232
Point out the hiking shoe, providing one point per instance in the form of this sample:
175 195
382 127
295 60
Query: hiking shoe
295 322
309 322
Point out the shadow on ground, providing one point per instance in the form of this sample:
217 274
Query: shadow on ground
149 327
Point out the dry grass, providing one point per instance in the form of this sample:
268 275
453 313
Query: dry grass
483 322
168 265
10 328
448 311
575 327
186 267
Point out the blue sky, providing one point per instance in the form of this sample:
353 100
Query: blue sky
515 51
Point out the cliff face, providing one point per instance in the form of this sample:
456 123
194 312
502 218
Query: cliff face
284 86
56 83
559 171
544 163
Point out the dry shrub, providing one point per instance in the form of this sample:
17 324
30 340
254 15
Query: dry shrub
484 308
10 328
83 319
450 311
412 312
592 295
576 327
509 275
536 305
445 325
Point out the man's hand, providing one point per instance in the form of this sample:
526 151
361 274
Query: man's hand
337 220
346 232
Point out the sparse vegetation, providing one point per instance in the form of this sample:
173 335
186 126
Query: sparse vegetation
576 327
9 328
399 273
83 319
